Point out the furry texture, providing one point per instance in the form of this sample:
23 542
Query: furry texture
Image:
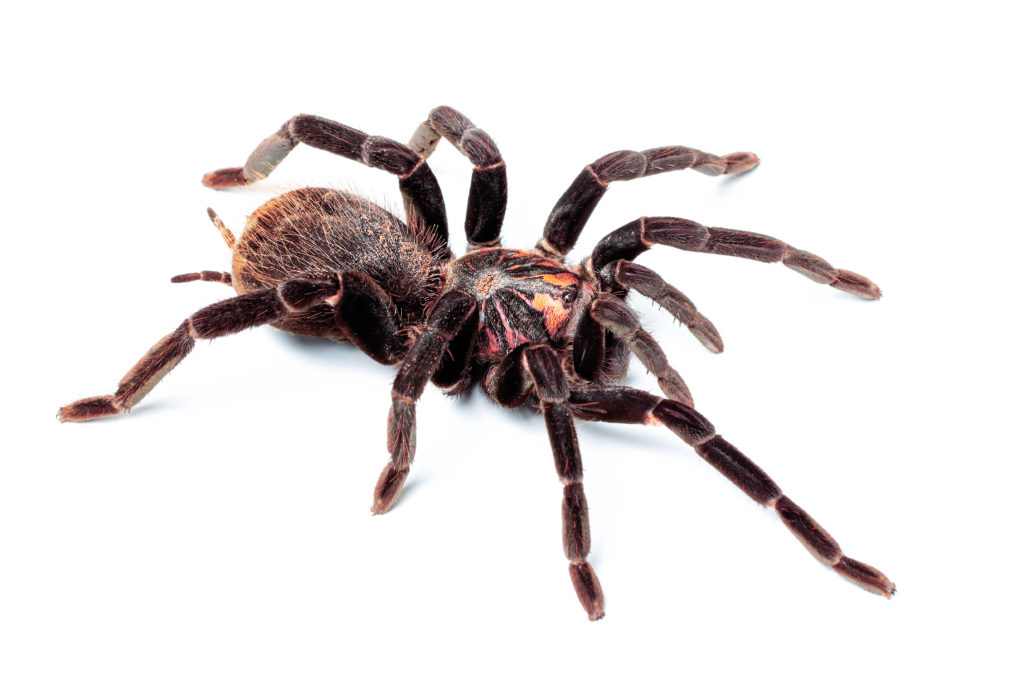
319 232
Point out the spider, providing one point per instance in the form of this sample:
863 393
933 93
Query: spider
526 327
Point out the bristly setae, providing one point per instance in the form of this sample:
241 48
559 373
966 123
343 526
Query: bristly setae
523 325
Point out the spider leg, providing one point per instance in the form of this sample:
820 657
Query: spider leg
205 276
444 327
629 405
610 313
217 320
365 313
211 275
632 239
488 189
362 309
225 233
417 183
537 370
570 214
626 275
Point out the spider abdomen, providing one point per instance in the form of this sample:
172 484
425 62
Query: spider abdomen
524 298
319 232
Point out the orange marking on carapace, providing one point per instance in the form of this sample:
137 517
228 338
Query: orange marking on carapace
561 279
555 312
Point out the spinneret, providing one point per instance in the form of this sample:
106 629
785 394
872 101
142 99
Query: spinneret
529 330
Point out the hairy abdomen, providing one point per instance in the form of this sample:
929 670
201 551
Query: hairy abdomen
317 232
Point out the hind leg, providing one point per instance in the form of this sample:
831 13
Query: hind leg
417 183
220 319
362 310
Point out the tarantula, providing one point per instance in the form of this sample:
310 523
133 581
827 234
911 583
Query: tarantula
522 324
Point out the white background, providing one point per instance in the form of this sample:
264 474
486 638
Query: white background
221 532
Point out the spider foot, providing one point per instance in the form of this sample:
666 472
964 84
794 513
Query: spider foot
675 388
740 162
388 487
732 164
853 283
865 576
706 334
225 177
88 409
588 589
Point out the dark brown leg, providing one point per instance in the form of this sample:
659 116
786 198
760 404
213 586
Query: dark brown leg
220 319
418 185
598 355
634 238
362 310
445 322
631 276
488 188
575 206
616 317
453 369
535 370
625 404
589 348
550 386
205 276
365 313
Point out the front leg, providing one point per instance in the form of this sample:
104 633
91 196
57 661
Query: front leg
632 406
566 221
611 314
636 237
537 370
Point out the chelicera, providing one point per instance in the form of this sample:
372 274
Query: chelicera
523 325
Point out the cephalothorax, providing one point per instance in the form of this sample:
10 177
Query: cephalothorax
526 328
